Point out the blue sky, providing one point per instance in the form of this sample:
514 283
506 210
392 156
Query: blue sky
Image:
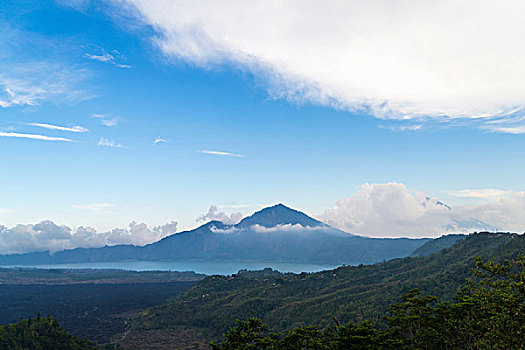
114 69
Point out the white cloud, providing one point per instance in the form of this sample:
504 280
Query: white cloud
482 193
35 82
506 212
284 228
395 60
225 154
6 211
34 69
413 127
106 120
159 140
34 137
61 128
100 54
108 143
46 235
520 129
109 122
214 214
93 206
225 231
392 210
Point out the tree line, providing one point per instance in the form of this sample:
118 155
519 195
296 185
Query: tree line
487 313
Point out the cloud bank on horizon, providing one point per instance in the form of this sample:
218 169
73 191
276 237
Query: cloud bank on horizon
406 60
48 236
392 210
375 210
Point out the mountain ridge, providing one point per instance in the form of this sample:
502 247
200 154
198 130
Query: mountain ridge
278 214
273 234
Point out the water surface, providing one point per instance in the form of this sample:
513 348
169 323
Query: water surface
204 267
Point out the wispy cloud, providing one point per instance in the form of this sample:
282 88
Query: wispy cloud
413 127
34 137
100 54
520 129
106 120
224 154
36 82
109 143
17 93
61 128
93 206
109 122
159 139
486 193
6 211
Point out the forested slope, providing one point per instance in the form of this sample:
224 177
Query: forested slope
41 333
350 293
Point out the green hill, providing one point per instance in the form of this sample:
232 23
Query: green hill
437 244
41 333
350 293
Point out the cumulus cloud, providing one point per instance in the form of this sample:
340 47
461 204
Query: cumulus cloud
396 60
34 137
47 235
214 214
392 210
224 154
506 212
60 128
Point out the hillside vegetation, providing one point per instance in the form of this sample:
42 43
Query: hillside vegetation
486 314
41 333
350 293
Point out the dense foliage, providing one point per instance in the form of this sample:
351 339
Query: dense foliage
351 293
41 333
486 314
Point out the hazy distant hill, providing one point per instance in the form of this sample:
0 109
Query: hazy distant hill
274 234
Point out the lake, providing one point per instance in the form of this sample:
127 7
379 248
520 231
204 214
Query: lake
204 267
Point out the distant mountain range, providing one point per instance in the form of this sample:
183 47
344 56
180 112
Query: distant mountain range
274 234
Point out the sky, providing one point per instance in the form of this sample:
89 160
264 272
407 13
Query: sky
382 118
